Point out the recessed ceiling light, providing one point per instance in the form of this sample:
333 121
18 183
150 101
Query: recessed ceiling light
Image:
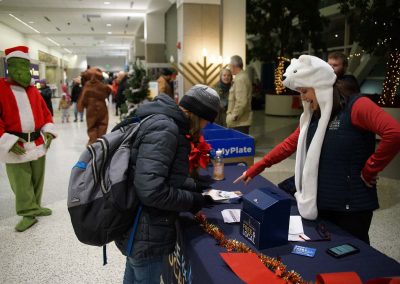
336 35
107 3
30 22
52 41
109 33
22 22
108 25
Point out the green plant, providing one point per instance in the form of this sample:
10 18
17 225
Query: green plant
138 84
280 27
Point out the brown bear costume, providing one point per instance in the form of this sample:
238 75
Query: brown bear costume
93 98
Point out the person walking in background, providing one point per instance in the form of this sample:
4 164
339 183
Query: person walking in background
222 88
46 93
75 96
114 89
94 95
164 82
239 114
339 63
63 106
122 79
160 165
337 165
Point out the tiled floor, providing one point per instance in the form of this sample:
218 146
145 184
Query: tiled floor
50 253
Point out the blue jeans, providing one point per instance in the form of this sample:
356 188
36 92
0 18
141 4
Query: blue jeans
143 271
76 112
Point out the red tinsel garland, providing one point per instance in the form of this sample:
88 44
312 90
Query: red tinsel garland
199 154
273 264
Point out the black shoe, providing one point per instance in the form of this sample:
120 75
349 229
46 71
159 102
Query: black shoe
75 120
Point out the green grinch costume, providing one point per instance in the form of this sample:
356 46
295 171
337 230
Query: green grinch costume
26 131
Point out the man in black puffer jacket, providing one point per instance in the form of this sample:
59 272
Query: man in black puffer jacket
161 167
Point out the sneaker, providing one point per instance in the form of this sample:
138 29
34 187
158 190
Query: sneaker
25 224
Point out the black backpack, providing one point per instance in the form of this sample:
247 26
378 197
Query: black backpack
101 196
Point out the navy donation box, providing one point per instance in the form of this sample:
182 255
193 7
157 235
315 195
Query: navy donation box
236 147
264 220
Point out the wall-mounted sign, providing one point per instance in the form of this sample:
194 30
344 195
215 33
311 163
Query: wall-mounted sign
48 58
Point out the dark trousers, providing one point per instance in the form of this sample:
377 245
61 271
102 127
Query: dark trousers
356 223
243 129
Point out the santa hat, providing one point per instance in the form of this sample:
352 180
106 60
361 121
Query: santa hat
312 72
18 51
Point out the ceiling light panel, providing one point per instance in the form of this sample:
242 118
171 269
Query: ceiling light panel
25 24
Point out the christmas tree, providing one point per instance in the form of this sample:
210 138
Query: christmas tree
137 86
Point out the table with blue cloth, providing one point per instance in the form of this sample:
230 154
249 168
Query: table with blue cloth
196 258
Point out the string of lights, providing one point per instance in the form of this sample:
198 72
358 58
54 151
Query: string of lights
392 79
279 87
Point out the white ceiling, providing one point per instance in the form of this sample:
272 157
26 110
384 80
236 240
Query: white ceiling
81 25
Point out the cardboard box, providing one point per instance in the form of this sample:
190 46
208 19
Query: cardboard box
265 217
236 147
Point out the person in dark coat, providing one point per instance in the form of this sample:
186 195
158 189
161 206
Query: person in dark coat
222 88
161 167
75 95
120 98
339 63
46 93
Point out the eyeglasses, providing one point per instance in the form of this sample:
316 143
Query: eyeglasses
322 232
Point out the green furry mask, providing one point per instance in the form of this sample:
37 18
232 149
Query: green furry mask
19 71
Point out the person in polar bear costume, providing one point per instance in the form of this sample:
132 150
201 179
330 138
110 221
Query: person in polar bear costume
336 161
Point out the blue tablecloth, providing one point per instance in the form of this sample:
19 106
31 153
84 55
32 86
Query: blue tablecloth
197 260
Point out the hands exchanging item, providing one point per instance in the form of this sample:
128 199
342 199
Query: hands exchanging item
243 178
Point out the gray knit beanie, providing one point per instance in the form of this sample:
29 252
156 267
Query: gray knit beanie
202 101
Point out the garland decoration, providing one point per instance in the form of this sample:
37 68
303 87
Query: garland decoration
275 265
279 87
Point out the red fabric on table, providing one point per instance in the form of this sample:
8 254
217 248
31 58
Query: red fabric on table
249 268
385 280
339 278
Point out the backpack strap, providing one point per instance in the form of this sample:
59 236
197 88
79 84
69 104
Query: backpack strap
133 231
131 237
104 255
133 130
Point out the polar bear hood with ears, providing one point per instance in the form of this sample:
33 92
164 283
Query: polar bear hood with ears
310 72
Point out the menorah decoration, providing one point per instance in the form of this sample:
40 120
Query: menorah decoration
200 73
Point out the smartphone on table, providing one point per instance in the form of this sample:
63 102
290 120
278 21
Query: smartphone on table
343 250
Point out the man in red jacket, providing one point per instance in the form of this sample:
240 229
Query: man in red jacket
26 131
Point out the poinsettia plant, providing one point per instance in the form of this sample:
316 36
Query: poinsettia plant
199 155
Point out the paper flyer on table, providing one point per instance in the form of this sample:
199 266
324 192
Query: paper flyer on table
222 196
231 215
